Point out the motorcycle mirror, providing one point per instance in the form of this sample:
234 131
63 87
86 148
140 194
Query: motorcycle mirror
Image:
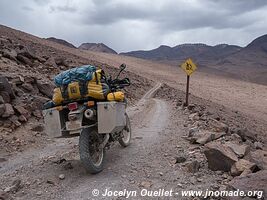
122 67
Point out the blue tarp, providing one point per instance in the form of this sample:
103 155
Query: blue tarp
83 73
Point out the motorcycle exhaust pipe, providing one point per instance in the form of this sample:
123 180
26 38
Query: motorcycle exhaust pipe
89 114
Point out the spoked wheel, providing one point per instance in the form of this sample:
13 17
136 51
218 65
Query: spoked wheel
126 134
91 155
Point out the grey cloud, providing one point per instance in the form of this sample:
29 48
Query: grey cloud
141 24
64 8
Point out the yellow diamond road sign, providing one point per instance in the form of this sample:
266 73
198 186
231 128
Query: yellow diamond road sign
189 67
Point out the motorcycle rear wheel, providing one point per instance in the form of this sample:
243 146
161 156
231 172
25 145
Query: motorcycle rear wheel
91 155
126 134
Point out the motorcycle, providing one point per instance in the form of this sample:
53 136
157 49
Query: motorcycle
97 123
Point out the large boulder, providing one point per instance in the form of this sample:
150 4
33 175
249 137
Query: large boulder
219 156
207 136
239 149
242 165
259 157
255 182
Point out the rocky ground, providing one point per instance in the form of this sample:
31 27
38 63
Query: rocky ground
199 147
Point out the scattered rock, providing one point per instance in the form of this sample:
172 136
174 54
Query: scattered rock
2 109
191 106
45 88
9 111
238 149
252 182
22 118
51 62
3 195
242 165
219 156
25 60
16 185
61 176
180 159
39 193
218 126
7 87
146 184
193 166
207 136
259 157
193 117
38 128
15 120
19 80
2 159
10 54
2 100
22 111
68 166
258 145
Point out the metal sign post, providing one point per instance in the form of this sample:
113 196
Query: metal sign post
189 67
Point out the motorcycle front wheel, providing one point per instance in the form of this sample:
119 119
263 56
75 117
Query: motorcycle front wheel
91 155
126 133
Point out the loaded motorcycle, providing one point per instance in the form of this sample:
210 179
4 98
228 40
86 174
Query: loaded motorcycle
97 123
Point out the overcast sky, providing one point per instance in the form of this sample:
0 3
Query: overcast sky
127 25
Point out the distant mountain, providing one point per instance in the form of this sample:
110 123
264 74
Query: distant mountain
250 62
99 47
60 41
201 53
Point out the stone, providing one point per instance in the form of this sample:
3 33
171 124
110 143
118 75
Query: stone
9 111
7 86
180 159
26 52
191 106
3 195
5 96
219 156
258 145
15 120
37 113
146 184
239 149
51 62
192 131
45 88
25 60
2 100
218 126
27 87
61 176
22 118
10 54
193 117
22 111
252 182
240 166
38 128
68 166
207 136
2 109
259 157
16 185
19 80
193 166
